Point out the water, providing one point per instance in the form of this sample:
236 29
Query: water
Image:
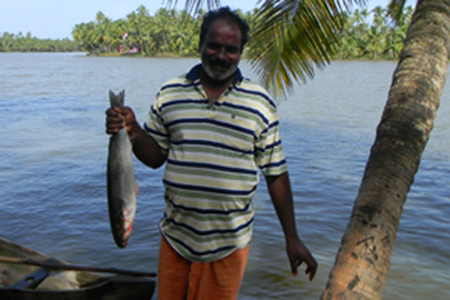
53 152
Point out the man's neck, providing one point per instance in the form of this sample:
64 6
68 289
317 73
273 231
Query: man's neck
214 88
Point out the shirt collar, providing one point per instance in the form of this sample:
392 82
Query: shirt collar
194 74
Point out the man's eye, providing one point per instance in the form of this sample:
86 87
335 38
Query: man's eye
232 49
213 46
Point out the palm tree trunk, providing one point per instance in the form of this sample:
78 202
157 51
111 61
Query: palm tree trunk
363 259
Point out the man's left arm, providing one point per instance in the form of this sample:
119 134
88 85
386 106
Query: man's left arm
281 194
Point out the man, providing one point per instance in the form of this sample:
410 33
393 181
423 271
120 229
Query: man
213 129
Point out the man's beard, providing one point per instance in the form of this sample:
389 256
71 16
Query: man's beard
228 68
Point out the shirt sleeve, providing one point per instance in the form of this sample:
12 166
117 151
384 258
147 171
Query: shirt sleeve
155 127
269 154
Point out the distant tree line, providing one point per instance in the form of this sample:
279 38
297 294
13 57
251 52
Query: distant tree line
365 35
10 42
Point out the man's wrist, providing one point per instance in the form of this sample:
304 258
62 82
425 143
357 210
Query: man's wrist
132 138
135 129
293 238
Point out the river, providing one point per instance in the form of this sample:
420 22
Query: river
53 153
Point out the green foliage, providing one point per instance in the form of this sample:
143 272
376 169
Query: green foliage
168 32
292 37
372 35
19 43
363 35
171 32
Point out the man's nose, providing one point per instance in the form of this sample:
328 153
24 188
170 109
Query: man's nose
222 53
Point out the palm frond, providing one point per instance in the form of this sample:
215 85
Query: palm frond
290 38
395 9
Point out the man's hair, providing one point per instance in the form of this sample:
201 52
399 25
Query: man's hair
227 14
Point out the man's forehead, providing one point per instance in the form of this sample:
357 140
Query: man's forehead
223 25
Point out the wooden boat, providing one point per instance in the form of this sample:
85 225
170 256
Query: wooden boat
19 281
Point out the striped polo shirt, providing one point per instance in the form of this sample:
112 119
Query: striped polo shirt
214 152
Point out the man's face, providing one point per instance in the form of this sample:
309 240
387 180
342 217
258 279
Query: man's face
221 50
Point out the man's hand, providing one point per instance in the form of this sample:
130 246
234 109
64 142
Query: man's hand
144 147
117 118
281 195
297 254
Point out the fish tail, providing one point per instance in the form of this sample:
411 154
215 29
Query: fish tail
117 100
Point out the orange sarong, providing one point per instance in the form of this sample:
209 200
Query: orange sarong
180 279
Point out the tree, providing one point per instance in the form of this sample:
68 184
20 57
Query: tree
396 34
102 32
171 32
144 29
348 47
183 38
363 259
375 42
7 42
299 34
163 24
376 35
84 35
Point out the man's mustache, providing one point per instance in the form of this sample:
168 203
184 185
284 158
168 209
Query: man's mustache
220 63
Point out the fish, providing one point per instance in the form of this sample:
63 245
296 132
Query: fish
60 280
121 186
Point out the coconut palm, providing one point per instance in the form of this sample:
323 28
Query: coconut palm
375 42
163 24
102 27
7 42
363 259
396 34
139 30
300 34
183 36
84 35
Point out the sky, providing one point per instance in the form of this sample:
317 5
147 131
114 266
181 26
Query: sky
55 19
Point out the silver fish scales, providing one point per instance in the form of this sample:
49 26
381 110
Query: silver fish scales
121 186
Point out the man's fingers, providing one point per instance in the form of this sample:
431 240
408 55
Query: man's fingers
308 271
311 270
113 112
294 267
114 120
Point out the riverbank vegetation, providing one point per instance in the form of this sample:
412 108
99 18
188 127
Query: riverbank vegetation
10 42
365 35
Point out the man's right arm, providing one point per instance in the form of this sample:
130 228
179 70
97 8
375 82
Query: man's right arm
144 146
